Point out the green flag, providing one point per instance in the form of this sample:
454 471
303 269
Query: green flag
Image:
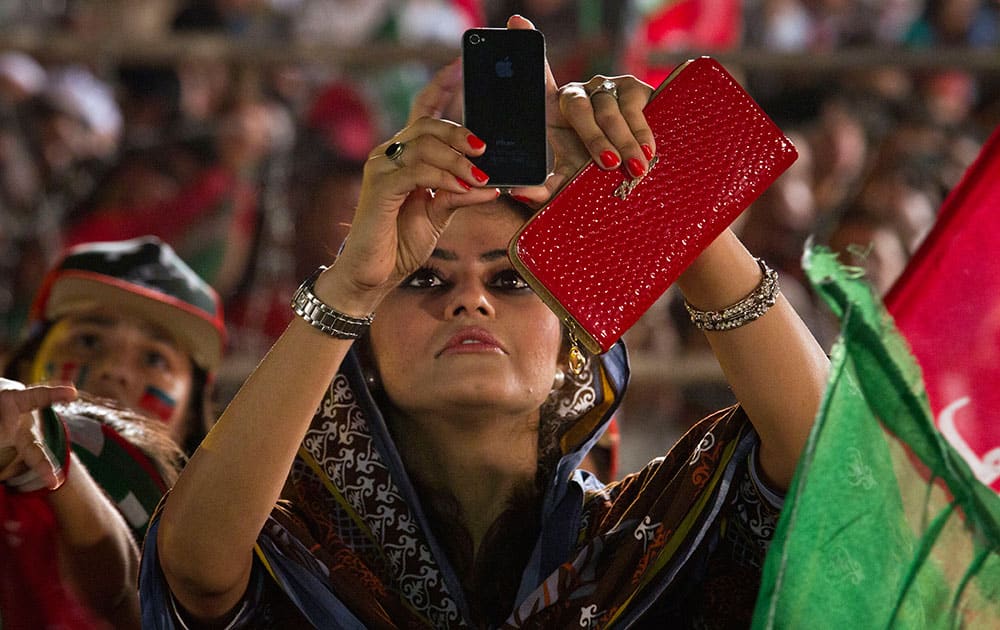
884 525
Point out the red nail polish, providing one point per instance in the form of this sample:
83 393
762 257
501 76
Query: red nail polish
480 176
463 184
647 151
475 142
522 199
609 159
635 167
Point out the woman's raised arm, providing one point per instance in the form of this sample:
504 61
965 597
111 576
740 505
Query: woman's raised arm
215 512
774 365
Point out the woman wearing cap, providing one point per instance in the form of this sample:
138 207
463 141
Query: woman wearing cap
427 453
128 322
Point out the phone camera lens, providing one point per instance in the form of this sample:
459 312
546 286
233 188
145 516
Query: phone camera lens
475 39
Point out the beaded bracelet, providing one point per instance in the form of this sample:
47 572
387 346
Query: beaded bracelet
743 312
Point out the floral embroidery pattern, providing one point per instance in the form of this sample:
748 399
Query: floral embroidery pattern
859 474
845 567
645 532
704 459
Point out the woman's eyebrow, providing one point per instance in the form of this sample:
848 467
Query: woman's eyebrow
493 254
154 331
104 321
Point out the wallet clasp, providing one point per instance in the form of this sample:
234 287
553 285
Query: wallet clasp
626 187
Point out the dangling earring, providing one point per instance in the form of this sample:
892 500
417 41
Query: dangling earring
559 380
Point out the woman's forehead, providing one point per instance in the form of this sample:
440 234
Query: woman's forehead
487 226
108 319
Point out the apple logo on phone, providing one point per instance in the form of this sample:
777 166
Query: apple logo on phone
505 68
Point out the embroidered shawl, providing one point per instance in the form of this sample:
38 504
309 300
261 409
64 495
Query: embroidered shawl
350 546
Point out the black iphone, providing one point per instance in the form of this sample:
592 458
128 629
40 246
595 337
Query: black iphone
504 83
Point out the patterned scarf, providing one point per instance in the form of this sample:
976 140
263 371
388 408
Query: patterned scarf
353 524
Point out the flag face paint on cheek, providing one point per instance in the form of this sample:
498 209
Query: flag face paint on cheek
158 402
68 372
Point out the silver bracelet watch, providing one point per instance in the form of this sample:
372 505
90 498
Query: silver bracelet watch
320 316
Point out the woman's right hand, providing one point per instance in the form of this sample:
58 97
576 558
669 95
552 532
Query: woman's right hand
21 448
404 206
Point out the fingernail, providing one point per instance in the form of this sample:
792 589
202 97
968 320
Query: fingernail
647 151
475 142
522 199
635 167
480 176
609 159
462 183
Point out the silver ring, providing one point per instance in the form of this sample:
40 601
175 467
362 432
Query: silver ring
395 151
607 86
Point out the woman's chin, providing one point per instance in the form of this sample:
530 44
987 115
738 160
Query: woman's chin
485 395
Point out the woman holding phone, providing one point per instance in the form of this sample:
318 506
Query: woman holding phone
405 455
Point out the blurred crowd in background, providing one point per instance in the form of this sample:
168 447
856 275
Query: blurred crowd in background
249 166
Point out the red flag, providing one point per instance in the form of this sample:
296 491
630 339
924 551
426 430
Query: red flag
947 305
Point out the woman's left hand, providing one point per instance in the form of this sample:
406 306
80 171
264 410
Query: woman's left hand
584 122
593 123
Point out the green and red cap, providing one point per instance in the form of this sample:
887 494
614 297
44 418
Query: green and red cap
142 275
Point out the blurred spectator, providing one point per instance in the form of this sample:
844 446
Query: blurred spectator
238 18
339 129
129 321
896 194
584 37
211 215
777 225
661 25
21 77
437 21
957 23
307 221
783 25
841 152
56 137
150 98
347 22
21 80
949 97
78 94
872 244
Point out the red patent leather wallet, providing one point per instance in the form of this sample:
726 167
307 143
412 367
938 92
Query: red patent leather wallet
607 246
